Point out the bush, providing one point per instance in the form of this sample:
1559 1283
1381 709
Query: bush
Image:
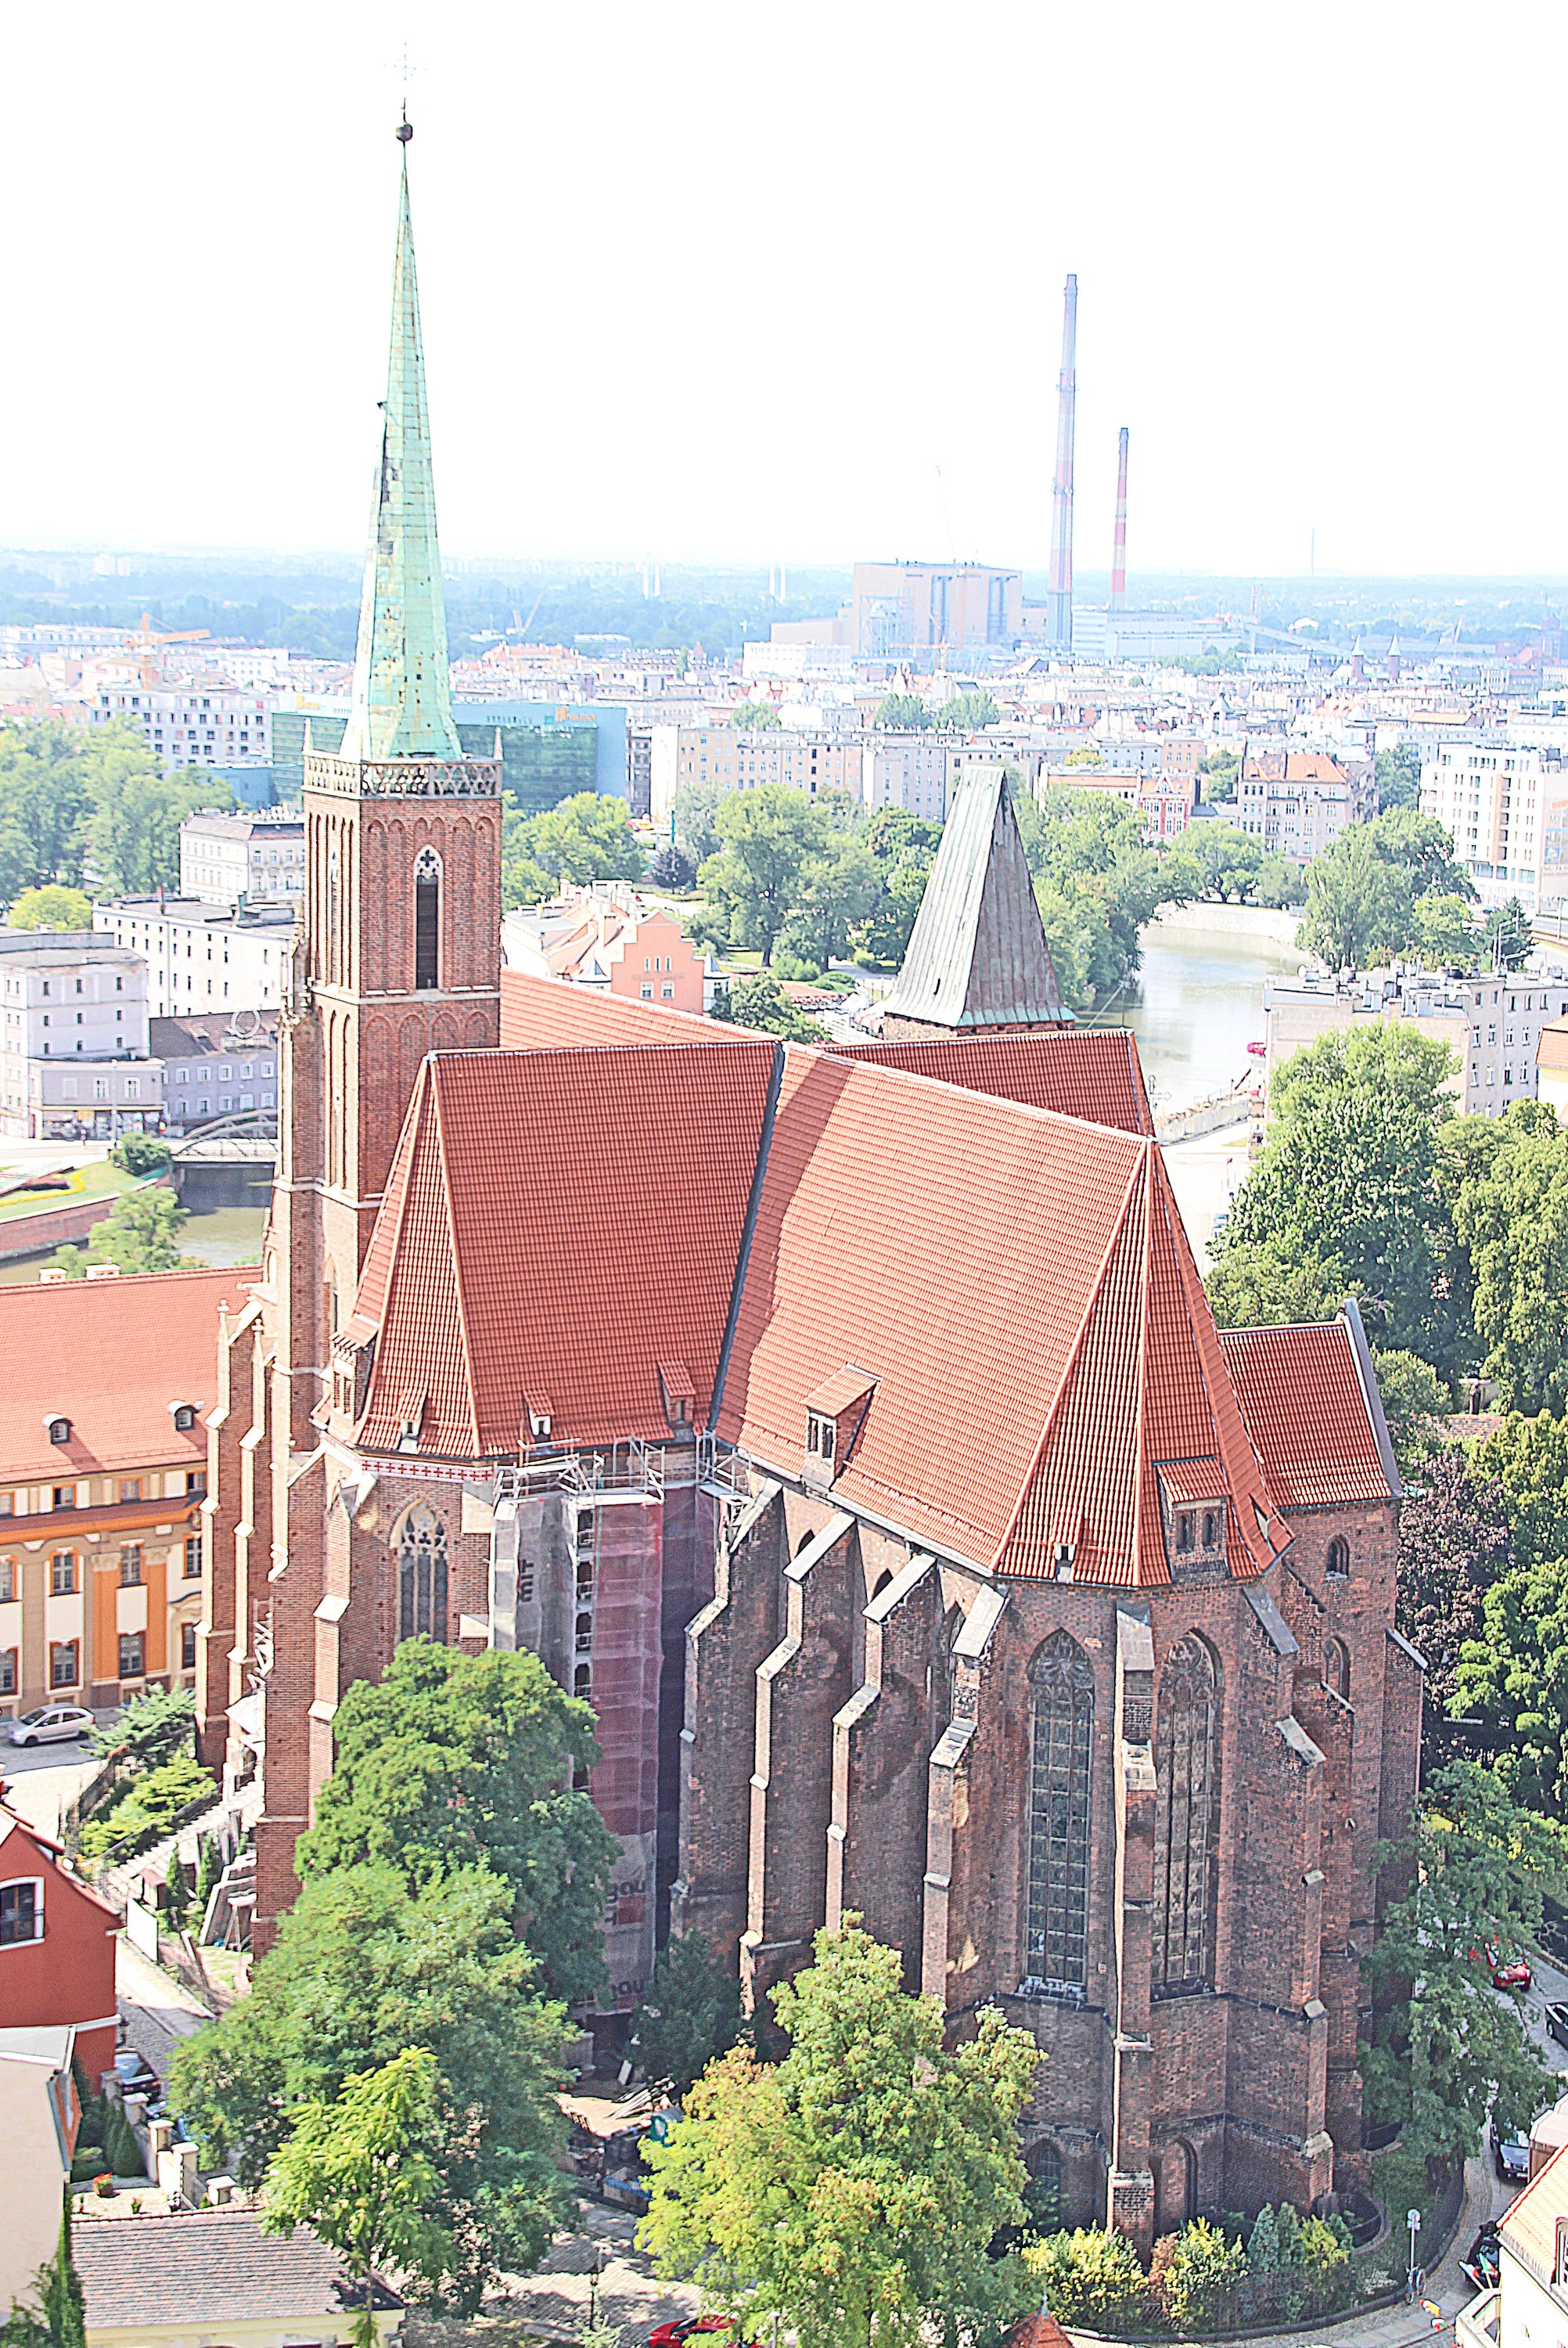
152 1729
1196 2276
140 1153
147 1812
670 868
87 2161
1091 2276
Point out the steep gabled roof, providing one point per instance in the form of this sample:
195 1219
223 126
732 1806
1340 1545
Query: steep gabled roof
1091 1072
1311 1411
1019 1288
976 956
558 1223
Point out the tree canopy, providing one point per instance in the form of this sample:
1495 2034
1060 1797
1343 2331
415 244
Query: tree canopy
52 908
759 1001
1097 882
140 1233
753 716
968 713
689 2015
362 1968
451 1760
900 711
1511 1215
854 2188
1363 893
92 800
790 873
589 837
1350 1181
1454 1545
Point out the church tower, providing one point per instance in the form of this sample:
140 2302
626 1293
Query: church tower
397 955
400 950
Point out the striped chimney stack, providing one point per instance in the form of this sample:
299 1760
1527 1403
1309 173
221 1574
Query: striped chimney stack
1059 589
1119 546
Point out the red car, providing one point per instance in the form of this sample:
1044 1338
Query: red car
686 2327
1514 1975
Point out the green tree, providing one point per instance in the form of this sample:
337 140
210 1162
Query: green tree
177 1892
356 2171
51 908
152 1729
1358 906
1415 1401
131 835
43 795
1453 1546
1398 776
1352 1177
852 2189
759 1001
1507 939
140 1153
1515 1674
689 2015
1221 771
451 1760
1511 1214
589 837
900 711
1444 2045
892 834
362 1968
1443 933
1197 2275
60 2298
1091 2279
839 890
773 837
1254 1284
753 716
1097 882
884 935
1529 1460
969 712
1213 859
1417 846
694 808
140 1233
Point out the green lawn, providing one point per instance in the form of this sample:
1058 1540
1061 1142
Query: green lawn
99 1180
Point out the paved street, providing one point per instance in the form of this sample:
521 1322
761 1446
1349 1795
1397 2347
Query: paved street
41 1779
156 2011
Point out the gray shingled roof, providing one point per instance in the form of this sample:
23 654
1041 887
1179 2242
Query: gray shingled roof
977 955
204 2269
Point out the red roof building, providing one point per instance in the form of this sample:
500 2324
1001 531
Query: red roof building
56 1946
849 1428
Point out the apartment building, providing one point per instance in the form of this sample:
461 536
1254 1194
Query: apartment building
1505 805
910 771
1297 802
203 957
199 724
1492 1023
105 1384
1163 798
732 758
256 852
607 939
216 1064
74 1048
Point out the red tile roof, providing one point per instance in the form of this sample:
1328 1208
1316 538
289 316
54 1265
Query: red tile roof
1305 1410
111 1355
558 1223
1530 2225
1091 1073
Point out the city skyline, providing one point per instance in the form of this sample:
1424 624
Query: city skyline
707 292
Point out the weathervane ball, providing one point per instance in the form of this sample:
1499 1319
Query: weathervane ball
404 130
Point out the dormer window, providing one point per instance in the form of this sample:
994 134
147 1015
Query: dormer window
539 1425
1185 1543
184 1415
678 1393
59 1430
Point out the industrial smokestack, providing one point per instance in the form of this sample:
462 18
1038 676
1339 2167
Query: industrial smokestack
1059 591
1119 544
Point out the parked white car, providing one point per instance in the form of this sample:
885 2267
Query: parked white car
51 1724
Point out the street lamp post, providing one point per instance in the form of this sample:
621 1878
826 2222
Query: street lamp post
1413 2220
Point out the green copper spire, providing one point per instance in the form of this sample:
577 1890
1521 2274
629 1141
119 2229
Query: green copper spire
402 692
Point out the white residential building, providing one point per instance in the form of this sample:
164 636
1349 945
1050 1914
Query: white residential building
203 957
223 857
910 771
1492 1022
1297 802
74 1037
1505 805
196 725
743 759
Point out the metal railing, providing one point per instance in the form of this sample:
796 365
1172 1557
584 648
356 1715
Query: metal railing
633 1469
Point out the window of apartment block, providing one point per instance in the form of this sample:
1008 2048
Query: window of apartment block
194 1557
62 1573
132 1654
7 1671
63 1664
8 1504
196 1480
130 1566
131 1488
8 1581
21 1911
65 1496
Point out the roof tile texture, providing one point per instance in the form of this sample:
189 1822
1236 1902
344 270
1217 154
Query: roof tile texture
199 2270
1307 1415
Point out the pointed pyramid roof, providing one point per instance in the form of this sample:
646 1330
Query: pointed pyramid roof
977 957
402 704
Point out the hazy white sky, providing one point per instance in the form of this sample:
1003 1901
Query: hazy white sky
734 281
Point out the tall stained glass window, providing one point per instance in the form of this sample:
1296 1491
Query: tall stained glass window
1186 1818
1062 1742
422 1576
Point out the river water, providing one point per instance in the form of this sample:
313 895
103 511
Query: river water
1198 1002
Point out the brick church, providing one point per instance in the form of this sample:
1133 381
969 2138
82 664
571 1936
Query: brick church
850 1425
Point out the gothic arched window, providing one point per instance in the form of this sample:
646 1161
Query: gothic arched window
1061 1730
1186 1818
1338 1559
422 1576
427 919
1337 1668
